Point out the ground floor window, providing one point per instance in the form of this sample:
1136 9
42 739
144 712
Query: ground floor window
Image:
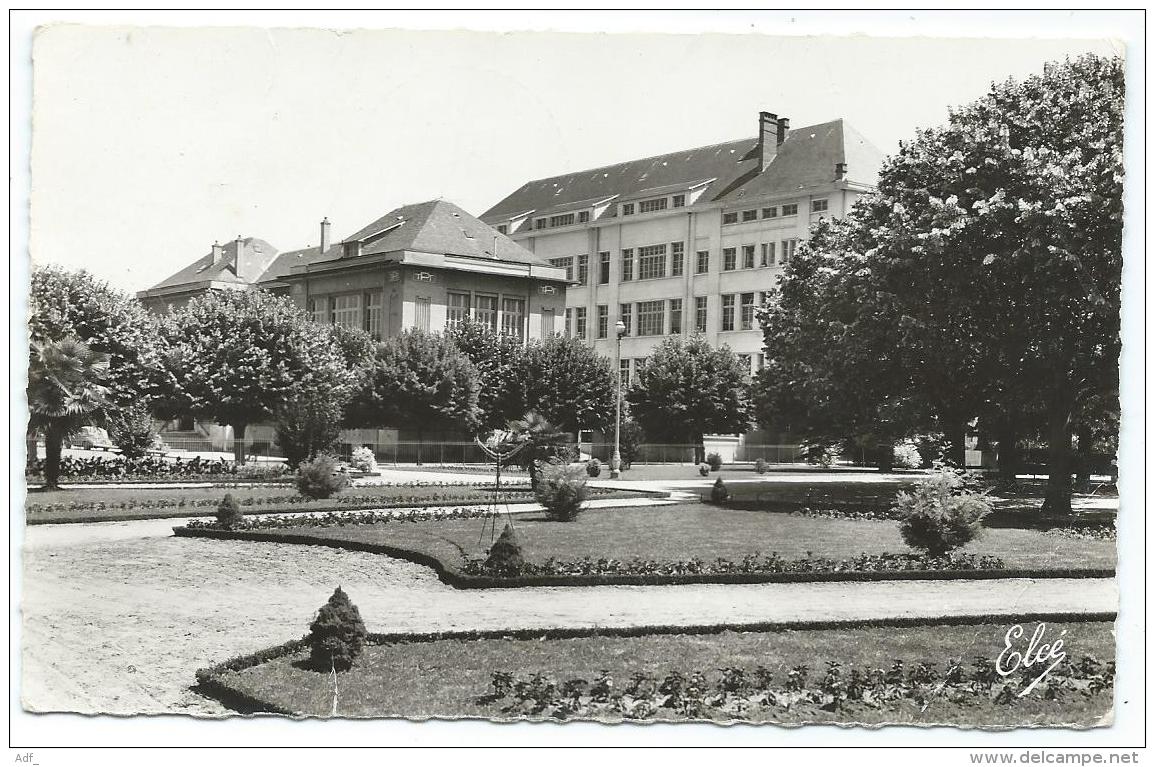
513 317
486 311
373 314
457 308
318 309
728 312
675 316
700 315
421 308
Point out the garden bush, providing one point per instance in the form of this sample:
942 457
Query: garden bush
761 466
593 467
307 426
337 635
941 513
719 493
562 490
703 470
229 516
906 455
715 461
364 459
130 429
505 557
320 477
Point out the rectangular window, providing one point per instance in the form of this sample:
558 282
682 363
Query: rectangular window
627 264
747 256
729 259
628 209
347 311
771 212
677 259
583 217
675 316
566 263
747 312
547 323
651 262
652 206
485 311
568 323
503 228
624 372
730 218
373 306
790 210
318 307
565 219
583 270
421 309
457 308
639 366
728 312
580 322
651 318
767 254
703 264
626 315
700 316
513 317
603 320
744 362
818 206
604 267
749 215
679 201
539 224
788 248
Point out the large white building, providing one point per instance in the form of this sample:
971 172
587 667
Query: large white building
688 242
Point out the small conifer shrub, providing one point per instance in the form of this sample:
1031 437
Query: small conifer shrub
719 493
715 461
229 516
320 477
761 466
505 554
337 635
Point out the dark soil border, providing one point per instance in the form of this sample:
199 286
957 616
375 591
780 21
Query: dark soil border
454 577
212 680
171 512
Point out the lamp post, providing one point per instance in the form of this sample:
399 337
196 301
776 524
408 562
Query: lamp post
616 461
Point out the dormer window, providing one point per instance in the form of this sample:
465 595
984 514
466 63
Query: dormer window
679 201
503 228
352 249
566 219
583 217
539 223
627 209
652 206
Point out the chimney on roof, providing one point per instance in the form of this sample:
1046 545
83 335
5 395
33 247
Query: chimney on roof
840 170
218 252
238 245
771 133
325 227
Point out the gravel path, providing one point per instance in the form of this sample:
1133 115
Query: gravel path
118 616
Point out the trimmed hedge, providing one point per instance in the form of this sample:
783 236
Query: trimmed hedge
457 579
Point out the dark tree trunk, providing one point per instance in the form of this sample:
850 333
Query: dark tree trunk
886 457
53 444
1083 464
1008 454
699 450
1058 498
239 442
955 431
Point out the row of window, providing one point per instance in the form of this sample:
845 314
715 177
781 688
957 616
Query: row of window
742 305
653 206
631 368
772 211
351 310
660 317
505 314
783 251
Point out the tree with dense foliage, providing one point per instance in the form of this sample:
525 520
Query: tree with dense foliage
337 635
307 425
983 275
500 361
66 392
688 389
570 384
238 357
419 381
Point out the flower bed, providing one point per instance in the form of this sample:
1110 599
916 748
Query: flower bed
341 519
157 469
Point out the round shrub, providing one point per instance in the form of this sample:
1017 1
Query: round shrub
703 470
364 459
940 513
761 466
719 493
337 635
906 455
505 554
229 515
320 477
562 490
593 467
715 461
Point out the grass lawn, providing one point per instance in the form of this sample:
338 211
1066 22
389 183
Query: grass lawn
684 531
449 678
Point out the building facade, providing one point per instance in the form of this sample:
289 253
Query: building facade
688 242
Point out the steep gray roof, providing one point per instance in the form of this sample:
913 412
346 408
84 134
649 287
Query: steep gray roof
807 158
256 256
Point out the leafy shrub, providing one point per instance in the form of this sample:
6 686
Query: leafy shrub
229 516
906 455
337 635
715 461
505 554
941 513
819 454
761 466
320 477
719 493
593 467
704 469
130 429
562 490
364 459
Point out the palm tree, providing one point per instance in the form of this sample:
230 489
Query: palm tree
542 441
65 392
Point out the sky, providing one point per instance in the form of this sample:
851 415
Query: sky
149 143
